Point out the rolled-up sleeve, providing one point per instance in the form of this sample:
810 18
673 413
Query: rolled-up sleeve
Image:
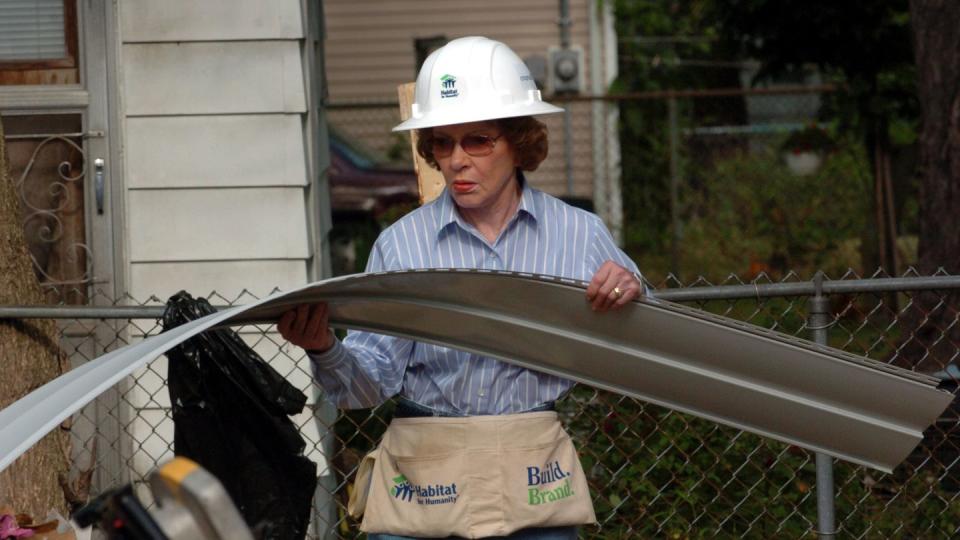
365 369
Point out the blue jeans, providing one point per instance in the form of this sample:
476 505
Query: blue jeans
542 533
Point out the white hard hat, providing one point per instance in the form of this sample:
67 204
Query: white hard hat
473 79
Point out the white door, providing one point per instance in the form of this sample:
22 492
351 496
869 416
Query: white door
57 77
53 101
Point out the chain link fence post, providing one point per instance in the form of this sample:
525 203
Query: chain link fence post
818 308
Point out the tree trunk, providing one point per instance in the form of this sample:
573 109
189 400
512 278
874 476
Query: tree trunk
932 323
29 357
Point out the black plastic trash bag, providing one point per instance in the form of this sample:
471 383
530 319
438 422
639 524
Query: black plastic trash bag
230 413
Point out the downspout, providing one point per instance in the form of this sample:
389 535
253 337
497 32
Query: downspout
606 119
598 117
611 140
564 24
317 143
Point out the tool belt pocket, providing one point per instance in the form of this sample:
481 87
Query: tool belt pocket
361 485
545 487
416 496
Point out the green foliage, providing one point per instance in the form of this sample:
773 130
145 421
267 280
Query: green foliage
749 213
656 473
867 44
661 474
752 209
657 37
812 138
862 48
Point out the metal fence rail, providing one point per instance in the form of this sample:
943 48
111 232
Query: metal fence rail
653 472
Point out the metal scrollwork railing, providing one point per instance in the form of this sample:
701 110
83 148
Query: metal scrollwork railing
43 215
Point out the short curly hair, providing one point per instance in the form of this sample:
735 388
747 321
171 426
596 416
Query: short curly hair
527 137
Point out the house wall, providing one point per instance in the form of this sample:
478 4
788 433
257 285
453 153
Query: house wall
370 51
214 103
217 172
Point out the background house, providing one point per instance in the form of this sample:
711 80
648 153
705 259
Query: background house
373 46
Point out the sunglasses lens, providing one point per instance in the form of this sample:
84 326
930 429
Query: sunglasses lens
442 146
477 145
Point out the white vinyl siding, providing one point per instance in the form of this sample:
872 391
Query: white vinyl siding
213 78
216 171
192 20
228 278
216 151
217 224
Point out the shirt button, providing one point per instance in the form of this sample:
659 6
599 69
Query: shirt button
481 393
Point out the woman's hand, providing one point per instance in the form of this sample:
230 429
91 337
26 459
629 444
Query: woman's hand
306 326
612 287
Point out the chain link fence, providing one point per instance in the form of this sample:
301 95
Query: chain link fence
695 174
653 472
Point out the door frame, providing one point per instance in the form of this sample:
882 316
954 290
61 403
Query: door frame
95 100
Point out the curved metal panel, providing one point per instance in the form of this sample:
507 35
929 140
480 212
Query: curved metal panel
727 371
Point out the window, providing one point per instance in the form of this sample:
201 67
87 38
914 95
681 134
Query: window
38 42
425 46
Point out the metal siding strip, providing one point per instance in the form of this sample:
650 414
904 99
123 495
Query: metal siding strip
708 366
734 373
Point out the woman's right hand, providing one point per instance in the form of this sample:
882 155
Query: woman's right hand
306 326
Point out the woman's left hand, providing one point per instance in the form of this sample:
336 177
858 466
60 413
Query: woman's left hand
612 287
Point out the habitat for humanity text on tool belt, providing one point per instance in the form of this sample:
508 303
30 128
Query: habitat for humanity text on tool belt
550 473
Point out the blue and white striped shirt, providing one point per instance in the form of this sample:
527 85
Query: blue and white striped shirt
545 236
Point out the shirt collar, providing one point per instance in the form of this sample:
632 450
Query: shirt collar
447 214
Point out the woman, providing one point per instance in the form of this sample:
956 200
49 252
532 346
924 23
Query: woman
475 449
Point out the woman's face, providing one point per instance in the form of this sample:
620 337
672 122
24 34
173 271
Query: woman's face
477 182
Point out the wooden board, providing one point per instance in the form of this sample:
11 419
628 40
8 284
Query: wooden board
429 180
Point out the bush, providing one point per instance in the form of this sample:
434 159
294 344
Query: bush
656 473
809 139
752 214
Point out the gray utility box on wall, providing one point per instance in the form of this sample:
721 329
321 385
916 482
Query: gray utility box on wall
565 70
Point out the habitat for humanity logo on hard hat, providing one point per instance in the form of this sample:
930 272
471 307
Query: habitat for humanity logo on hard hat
448 86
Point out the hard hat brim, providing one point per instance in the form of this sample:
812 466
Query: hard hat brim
449 118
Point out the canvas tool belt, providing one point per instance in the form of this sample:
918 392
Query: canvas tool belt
472 477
